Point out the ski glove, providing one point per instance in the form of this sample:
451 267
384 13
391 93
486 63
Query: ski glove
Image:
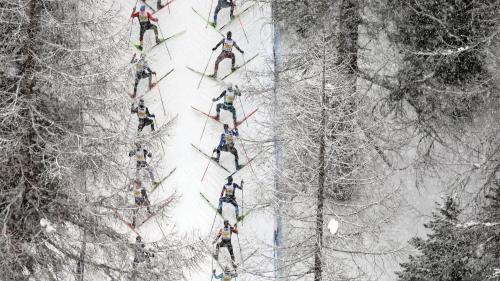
150 155
214 48
214 99
242 52
152 115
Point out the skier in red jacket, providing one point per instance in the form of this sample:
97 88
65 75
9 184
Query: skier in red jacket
145 19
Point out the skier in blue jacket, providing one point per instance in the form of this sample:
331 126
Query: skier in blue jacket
226 143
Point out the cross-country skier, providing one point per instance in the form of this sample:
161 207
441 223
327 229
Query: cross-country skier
226 143
141 155
227 275
145 118
223 4
142 70
141 199
140 252
228 195
227 52
145 19
225 240
229 95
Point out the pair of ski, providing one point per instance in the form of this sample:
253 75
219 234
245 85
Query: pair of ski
137 97
212 24
220 165
138 46
150 215
238 123
212 206
225 76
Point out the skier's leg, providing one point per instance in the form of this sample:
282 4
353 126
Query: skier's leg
141 35
136 83
236 209
217 10
150 76
217 61
230 249
217 246
233 60
217 109
231 12
151 175
233 111
235 153
220 202
152 124
155 30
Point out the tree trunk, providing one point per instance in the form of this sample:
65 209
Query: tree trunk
318 257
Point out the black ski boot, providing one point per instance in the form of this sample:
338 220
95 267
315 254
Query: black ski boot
219 211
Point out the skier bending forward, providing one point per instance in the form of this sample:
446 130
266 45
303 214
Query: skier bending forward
226 143
227 275
145 19
229 189
225 234
142 71
229 95
227 52
145 118
223 4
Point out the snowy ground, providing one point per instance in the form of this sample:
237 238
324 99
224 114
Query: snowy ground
179 92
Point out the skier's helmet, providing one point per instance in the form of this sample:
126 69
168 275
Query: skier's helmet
229 34
230 179
226 127
226 269
226 222
138 238
138 144
229 85
142 8
141 102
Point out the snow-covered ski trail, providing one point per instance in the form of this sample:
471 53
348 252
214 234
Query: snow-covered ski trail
179 91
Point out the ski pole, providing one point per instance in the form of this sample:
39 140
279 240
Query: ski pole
245 151
209 160
132 21
161 32
205 70
241 23
161 98
242 202
239 246
209 12
206 120
243 110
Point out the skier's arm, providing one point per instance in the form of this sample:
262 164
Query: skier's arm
131 153
218 276
237 47
133 59
234 229
134 14
218 235
133 109
237 90
218 44
237 186
220 96
149 114
234 132
222 192
150 17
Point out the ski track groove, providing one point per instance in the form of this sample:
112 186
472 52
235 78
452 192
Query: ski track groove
179 91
